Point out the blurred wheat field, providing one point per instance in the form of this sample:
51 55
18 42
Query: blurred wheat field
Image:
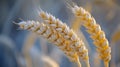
21 48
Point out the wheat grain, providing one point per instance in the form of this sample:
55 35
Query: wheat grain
76 25
96 33
52 36
75 43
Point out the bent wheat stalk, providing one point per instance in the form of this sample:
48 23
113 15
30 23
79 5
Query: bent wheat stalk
52 36
75 43
96 33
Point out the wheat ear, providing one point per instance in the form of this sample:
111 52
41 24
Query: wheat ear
75 43
52 36
96 33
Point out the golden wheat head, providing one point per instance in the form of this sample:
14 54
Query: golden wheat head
75 43
96 33
51 35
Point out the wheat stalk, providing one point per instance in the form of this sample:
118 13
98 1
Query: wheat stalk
52 36
48 62
75 43
29 42
96 33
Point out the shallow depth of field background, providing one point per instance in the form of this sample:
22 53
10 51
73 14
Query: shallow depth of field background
19 48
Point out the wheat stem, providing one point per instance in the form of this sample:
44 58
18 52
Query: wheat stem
87 63
78 63
106 64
